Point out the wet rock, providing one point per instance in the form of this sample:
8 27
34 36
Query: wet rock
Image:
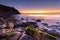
58 22
2 32
20 25
58 38
20 29
45 24
58 28
54 30
38 20
54 26
33 19
1 21
16 36
25 37
31 24
22 18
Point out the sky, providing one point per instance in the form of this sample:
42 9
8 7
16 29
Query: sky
34 6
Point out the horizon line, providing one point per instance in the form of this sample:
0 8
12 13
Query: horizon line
43 13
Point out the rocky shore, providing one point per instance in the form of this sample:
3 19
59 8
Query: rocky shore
13 26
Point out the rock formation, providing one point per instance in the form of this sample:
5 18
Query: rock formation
6 11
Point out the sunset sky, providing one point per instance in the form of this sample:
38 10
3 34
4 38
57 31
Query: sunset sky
34 6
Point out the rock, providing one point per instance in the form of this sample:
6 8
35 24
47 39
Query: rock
45 24
38 20
31 24
22 18
23 25
11 25
16 36
54 30
21 29
58 38
54 26
58 22
58 28
33 19
25 37
2 32
1 21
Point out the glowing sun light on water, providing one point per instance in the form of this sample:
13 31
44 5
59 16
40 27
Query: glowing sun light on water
36 15
39 11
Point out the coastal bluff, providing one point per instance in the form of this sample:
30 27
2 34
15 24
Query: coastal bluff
7 11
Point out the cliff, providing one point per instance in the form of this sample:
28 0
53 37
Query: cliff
6 11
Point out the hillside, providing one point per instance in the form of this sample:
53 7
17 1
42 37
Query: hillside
6 11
